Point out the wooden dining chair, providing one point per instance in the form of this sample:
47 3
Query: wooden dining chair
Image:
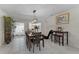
41 36
36 40
28 41
59 36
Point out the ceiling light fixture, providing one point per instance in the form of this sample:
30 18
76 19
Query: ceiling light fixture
34 16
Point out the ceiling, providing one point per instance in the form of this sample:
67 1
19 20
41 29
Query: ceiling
25 11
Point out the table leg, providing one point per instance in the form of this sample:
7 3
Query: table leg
62 40
59 41
67 38
43 43
39 47
51 37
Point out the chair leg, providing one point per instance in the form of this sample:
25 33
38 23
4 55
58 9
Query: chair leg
51 37
29 48
27 44
33 47
39 47
59 41
54 39
43 43
62 41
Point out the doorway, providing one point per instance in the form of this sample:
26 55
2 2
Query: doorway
19 29
19 41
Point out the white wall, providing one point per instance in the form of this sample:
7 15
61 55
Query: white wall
2 27
72 27
50 24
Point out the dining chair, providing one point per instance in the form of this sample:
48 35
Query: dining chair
28 41
38 37
27 38
36 40
59 37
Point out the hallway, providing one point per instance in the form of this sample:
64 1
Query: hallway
18 46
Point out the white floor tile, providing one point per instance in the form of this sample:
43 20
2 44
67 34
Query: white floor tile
18 46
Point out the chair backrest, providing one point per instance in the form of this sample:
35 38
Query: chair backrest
59 29
37 35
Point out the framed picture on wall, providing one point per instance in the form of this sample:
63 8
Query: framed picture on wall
62 18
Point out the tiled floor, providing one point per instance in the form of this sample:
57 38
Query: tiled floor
18 46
